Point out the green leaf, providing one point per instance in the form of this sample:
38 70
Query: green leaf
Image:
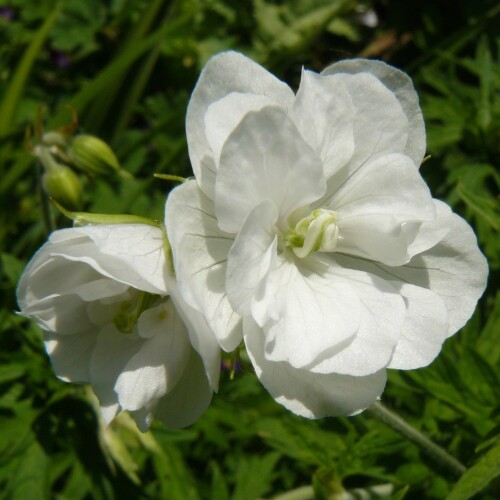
219 489
254 476
10 101
30 475
11 267
486 79
114 72
478 476
78 25
11 372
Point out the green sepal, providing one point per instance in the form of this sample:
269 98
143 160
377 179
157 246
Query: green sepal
90 219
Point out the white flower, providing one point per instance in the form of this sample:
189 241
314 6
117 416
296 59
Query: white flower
310 233
112 317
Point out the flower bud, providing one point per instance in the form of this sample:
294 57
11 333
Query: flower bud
94 156
62 184
54 138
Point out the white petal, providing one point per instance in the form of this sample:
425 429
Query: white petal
251 256
201 336
65 315
145 415
373 203
388 184
429 233
190 397
400 84
324 113
265 158
158 365
308 394
98 289
200 251
129 253
379 124
112 352
102 312
70 355
156 320
222 117
47 275
424 330
109 412
380 316
316 317
454 269
374 236
223 74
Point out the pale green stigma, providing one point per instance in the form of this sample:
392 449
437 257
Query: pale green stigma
318 232
126 319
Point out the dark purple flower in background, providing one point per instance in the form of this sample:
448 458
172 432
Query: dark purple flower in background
7 13
60 59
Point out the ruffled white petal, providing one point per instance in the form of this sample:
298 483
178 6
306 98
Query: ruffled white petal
252 256
47 275
65 314
379 124
111 353
454 269
386 185
224 115
201 336
424 330
429 233
158 365
380 315
129 253
223 74
265 158
323 112
374 202
189 398
200 252
70 355
315 316
309 394
401 85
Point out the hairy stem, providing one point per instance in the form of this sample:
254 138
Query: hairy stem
437 454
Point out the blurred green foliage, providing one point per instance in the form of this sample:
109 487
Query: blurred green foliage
127 68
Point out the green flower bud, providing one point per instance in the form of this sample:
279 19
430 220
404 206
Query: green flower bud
62 184
54 139
94 156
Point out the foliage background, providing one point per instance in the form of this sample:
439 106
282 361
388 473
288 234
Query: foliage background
128 68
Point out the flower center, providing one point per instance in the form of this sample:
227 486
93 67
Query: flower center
318 232
130 311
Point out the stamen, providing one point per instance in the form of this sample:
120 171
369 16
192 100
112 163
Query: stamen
318 232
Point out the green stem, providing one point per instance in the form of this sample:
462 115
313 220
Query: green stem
46 213
170 177
439 455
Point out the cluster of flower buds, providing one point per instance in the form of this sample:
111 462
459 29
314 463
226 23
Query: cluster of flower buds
61 154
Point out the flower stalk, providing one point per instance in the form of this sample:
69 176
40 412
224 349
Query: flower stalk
436 453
